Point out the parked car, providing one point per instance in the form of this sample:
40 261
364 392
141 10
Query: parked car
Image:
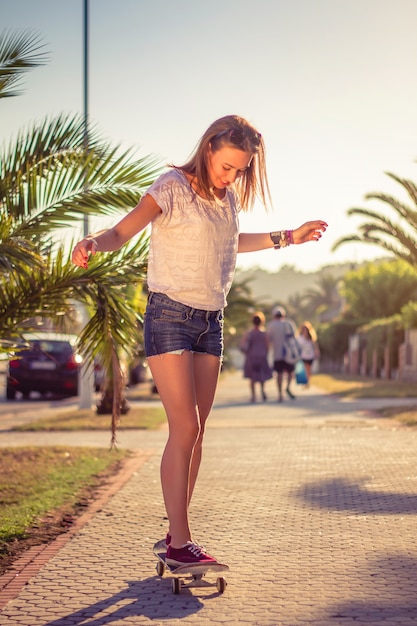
48 363
138 372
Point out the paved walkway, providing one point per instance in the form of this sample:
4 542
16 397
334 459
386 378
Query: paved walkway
312 503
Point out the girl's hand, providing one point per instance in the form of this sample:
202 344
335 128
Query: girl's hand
310 231
82 250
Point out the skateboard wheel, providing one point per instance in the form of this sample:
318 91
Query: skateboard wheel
160 568
221 584
176 586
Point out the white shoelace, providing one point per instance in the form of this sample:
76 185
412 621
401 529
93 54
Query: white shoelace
195 549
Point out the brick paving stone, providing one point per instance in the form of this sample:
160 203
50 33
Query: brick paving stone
312 503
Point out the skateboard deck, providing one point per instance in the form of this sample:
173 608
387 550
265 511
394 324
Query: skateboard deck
188 575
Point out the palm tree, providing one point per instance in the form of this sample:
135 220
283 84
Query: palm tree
323 299
240 307
19 52
49 179
397 235
379 289
297 309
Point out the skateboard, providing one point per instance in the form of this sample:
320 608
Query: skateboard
191 575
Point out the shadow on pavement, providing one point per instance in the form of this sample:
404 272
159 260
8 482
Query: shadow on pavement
377 611
139 598
342 495
316 404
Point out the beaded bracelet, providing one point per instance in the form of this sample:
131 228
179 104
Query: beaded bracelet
281 238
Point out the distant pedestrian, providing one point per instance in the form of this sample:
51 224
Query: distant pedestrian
255 345
307 340
281 334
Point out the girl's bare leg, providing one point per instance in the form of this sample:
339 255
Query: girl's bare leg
186 384
206 375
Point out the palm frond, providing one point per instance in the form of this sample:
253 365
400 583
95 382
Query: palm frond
114 324
50 290
60 136
16 253
19 52
49 177
410 215
369 238
54 185
408 185
398 237
402 242
383 224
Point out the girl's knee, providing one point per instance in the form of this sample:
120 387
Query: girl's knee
186 434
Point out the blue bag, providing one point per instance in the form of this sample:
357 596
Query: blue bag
300 373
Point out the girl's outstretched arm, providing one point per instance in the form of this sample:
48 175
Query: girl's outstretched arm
115 237
309 231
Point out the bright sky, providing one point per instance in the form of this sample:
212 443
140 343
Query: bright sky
331 85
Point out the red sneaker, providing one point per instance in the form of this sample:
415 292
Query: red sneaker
189 553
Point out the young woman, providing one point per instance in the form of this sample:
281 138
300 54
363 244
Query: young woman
307 340
193 210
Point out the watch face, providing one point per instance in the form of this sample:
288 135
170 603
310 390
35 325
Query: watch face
279 238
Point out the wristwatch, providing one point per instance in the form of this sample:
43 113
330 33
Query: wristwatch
280 239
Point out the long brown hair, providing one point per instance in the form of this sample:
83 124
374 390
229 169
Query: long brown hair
310 331
236 132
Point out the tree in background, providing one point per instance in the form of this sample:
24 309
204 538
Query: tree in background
396 235
383 289
379 289
19 53
376 296
298 310
49 180
323 300
240 306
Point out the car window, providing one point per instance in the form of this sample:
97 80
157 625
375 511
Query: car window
54 346
48 347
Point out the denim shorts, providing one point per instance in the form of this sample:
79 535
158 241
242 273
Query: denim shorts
172 327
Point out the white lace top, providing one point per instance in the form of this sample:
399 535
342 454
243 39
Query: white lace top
193 243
